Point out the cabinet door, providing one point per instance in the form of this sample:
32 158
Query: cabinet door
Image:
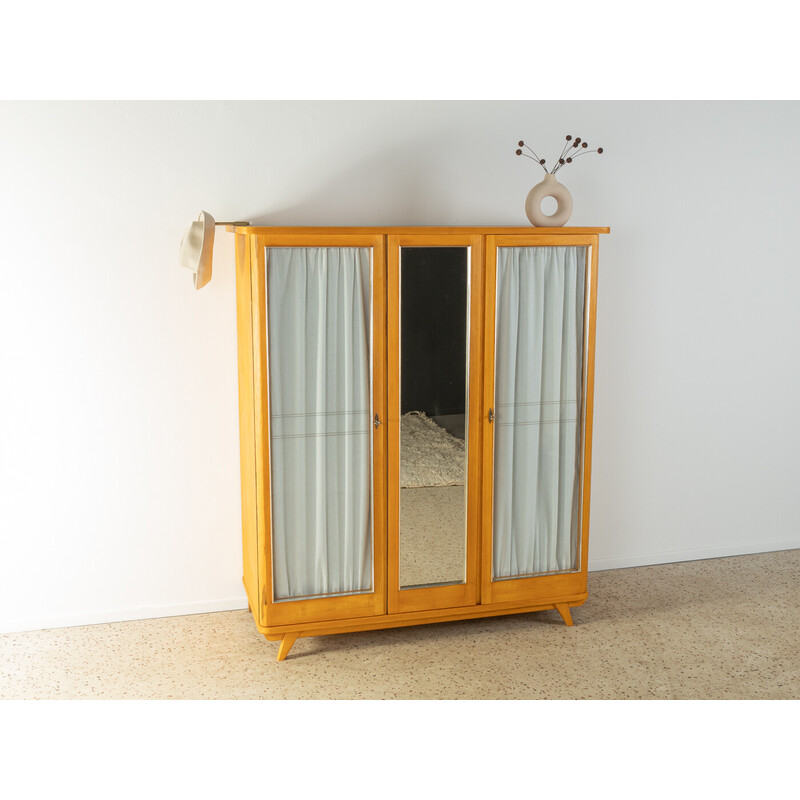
322 379
540 299
434 314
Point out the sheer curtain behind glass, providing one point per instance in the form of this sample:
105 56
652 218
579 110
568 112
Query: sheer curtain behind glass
538 397
320 434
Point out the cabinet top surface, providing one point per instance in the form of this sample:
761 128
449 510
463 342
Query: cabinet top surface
252 230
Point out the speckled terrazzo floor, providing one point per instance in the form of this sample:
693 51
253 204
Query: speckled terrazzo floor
432 535
718 629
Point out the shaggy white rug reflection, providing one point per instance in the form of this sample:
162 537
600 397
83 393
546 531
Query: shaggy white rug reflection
429 455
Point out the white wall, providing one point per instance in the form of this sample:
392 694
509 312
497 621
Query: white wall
119 473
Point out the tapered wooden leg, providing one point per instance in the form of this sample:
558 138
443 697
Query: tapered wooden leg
563 609
286 645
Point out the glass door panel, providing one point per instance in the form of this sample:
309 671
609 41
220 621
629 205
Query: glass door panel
324 309
319 331
537 336
539 319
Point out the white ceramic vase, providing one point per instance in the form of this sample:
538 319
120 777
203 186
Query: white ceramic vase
549 187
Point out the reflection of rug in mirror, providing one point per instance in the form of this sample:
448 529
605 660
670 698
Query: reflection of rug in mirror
432 535
429 455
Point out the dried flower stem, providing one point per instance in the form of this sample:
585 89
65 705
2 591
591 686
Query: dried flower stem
564 150
583 153
540 160
560 161
534 159
580 153
537 157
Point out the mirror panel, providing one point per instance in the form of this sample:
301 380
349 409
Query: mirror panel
434 348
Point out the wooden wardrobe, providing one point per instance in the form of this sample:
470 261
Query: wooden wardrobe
415 423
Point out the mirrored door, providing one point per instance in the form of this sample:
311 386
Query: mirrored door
434 315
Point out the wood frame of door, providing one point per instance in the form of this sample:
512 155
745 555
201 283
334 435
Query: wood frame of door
452 595
340 606
553 585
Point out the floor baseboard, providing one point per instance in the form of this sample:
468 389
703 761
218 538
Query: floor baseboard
123 615
697 554
240 602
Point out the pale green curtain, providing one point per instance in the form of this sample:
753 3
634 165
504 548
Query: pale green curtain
538 407
318 302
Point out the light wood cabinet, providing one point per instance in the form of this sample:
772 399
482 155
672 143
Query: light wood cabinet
415 423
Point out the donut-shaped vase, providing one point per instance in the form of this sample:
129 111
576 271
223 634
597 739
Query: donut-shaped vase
549 187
